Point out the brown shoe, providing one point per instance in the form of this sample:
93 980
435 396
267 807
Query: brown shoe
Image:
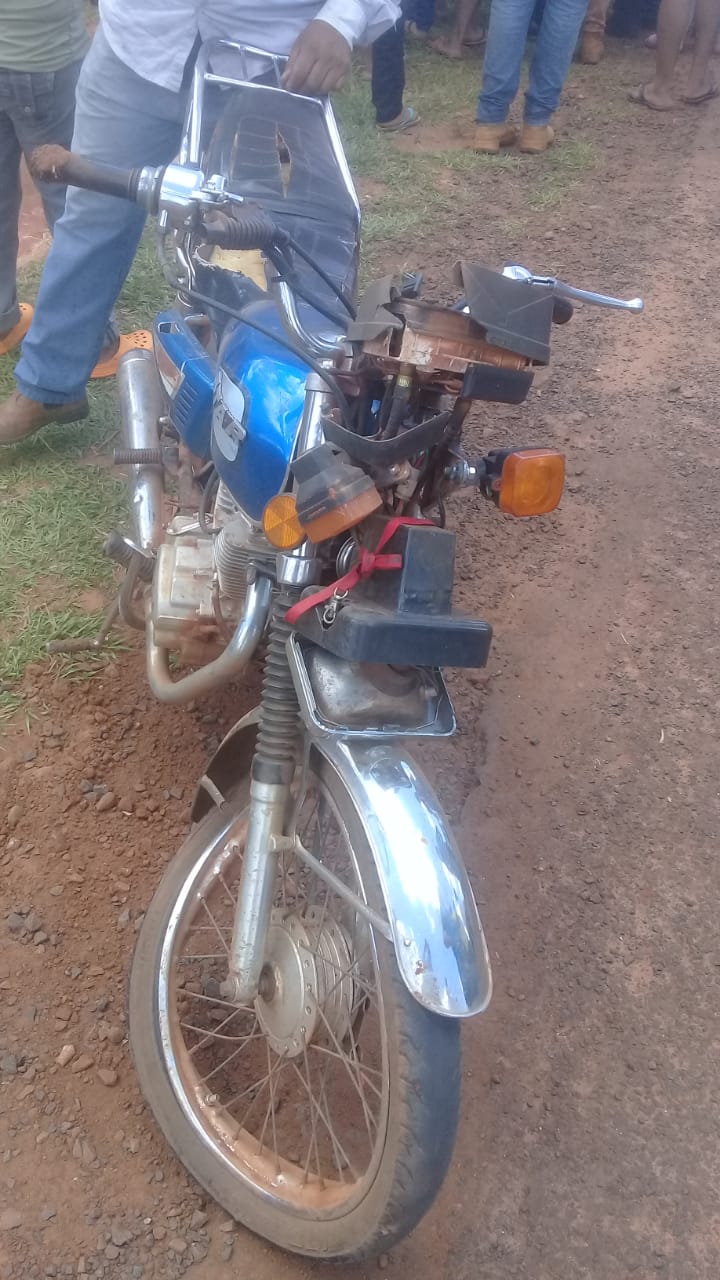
592 48
21 417
536 138
489 138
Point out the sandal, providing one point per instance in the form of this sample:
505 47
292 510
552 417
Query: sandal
14 336
639 97
107 368
707 96
406 120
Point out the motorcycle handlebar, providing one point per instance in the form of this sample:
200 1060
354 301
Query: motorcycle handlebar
55 164
248 227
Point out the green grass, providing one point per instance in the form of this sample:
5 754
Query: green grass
58 498
57 504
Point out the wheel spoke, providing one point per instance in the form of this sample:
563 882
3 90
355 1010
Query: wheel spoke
285 1093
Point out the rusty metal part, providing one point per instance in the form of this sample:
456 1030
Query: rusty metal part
91 644
437 341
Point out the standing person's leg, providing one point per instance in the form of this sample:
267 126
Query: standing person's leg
10 196
388 81
700 85
120 119
452 45
674 18
550 64
507 37
592 43
48 117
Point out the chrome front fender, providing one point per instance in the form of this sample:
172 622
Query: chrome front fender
441 950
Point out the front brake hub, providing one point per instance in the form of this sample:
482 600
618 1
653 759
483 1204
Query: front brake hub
307 990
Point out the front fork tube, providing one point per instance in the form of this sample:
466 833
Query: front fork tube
268 806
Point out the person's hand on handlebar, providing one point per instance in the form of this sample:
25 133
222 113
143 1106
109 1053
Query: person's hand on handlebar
319 61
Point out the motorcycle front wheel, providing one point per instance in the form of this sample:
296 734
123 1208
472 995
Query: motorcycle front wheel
322 1116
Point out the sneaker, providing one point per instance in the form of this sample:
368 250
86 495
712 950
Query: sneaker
21 417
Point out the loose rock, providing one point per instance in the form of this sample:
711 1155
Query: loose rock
108 1076
10 1219
83 1063
106 802
66 1055
14 815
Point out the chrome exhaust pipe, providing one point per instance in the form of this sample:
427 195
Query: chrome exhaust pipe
228 666
141 406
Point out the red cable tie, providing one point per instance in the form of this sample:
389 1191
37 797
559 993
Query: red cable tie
369 563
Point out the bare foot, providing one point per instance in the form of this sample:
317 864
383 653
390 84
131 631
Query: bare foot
654 96
448 46
475 38
698 91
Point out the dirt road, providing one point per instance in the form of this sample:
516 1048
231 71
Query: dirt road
583 783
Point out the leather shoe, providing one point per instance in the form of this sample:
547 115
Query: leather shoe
489 138
21 417
536 138
592 48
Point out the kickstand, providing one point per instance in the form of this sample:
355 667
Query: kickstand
88 644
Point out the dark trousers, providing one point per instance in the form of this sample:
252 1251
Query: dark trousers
421 12
388 73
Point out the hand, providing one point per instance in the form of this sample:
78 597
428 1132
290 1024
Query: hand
319 60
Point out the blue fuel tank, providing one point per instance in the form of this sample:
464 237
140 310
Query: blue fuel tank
257 405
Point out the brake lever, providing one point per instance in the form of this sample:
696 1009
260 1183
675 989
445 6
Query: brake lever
514 271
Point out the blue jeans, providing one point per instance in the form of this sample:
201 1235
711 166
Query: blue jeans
120 119
35 108
506 40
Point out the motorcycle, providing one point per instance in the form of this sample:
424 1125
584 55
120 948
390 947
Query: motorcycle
302 971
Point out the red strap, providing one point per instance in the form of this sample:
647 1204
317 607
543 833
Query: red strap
368 563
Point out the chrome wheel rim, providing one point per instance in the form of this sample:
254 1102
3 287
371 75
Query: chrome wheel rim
291 1093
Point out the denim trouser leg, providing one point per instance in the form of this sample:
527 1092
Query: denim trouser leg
120 119
557 38
35 108
506 40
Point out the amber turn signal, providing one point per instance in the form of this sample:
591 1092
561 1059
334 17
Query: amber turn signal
280 523
532 482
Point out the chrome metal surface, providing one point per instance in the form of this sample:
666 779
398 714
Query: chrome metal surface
223 669
266 814
515 272
352 699
441 949
298 568
318 403
462 474
141 405
191 146
439 941
317 344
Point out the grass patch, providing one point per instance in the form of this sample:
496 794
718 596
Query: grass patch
566 166
55 510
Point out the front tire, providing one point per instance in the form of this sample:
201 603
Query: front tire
358 1095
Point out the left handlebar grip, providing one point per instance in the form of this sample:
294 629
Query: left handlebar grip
55 164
